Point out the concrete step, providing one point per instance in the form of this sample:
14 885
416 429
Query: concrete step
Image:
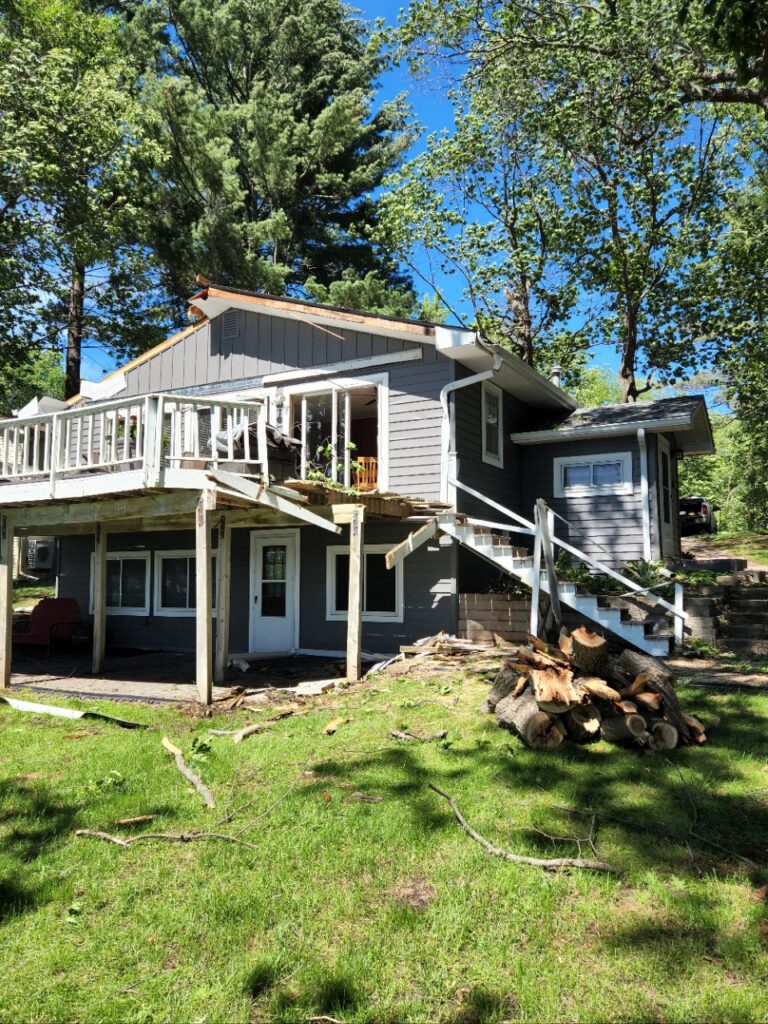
742 617
747 631
748 646
751 605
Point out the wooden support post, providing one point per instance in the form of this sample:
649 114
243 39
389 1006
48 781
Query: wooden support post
203 581
223 560
6 600
679 622
355 609
99 598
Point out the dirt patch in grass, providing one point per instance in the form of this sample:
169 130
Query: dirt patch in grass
418 894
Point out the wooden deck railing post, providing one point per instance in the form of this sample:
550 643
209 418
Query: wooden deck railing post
355 603
223 561
203 581
6 600
99 598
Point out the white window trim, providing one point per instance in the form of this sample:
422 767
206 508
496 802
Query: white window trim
175 613
332 614
114 556
488 457
625 487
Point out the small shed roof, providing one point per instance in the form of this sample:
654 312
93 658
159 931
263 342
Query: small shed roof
686 418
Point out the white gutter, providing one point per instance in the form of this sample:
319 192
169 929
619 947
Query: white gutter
448 468
644 493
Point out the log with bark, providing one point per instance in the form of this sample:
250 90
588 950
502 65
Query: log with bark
522 716
582 691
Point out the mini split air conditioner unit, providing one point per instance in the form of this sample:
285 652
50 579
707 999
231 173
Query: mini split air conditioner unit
40 553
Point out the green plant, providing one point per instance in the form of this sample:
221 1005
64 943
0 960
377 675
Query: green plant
699 578
703 647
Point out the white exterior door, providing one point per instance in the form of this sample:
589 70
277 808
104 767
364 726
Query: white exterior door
667 507
274 618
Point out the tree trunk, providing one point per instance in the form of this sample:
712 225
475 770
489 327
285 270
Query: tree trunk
521 715
75 331
506 681
589 652
553 689
621 728
519 305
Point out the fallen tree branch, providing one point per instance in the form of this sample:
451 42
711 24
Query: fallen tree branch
537 862
188 774
173 837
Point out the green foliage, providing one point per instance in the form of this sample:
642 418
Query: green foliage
597 386
32 374
733 477
585 180
271 143
369 292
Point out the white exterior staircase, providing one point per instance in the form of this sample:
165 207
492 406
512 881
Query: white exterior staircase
493 544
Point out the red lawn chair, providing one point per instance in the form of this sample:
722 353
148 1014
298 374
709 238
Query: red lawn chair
53 618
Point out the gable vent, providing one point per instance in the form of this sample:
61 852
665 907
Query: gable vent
231 325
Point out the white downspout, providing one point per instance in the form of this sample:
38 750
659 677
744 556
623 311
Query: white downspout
448 450
644 493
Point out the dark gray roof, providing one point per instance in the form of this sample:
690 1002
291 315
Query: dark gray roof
634 412
685 418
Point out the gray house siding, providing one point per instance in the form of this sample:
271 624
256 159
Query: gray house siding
430 602
607 527
265 344
502 484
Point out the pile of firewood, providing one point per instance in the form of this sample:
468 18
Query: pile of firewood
579 691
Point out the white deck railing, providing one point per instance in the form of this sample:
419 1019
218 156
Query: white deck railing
150 433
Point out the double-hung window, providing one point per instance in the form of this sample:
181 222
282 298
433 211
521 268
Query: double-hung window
493 425
382 587
593 474
175 583
127 583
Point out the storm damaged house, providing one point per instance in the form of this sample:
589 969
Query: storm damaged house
284 477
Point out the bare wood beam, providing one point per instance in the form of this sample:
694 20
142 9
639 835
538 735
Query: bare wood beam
414 540
264 496
111 509
203 581
223 562
99 598
6 599
355 603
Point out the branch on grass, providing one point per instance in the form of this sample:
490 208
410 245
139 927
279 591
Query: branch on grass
188 774
172 837
537 862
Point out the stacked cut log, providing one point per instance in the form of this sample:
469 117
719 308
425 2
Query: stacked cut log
578 691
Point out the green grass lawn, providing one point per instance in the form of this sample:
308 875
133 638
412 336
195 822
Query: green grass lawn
380 912
26 596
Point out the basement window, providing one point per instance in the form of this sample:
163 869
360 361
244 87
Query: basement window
127 583
175 583
593 474
493 425
382 587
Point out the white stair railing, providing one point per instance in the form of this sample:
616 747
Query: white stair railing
541 533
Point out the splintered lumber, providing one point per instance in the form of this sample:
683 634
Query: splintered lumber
623 728
506 682
550 650
188 774
553 689
597 687
582 723
589 652
696 727
626 707
522 716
